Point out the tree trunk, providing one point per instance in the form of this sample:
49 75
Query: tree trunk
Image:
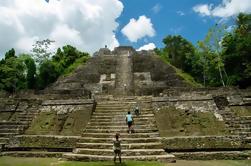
221 77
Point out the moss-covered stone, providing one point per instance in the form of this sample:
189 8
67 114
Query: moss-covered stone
44 142
176 122
241 110
61 120
4 116
204 143
220 155
43 124
76 122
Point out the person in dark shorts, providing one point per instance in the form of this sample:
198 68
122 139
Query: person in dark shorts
129 121
117 147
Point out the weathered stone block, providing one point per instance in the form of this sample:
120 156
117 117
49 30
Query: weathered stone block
204 143
44 141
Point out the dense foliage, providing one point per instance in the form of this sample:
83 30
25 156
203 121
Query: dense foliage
223 58
39 69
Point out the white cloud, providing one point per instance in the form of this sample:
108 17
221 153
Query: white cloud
203 9
86 24
181 13
149 46
226 9
137 29
156 8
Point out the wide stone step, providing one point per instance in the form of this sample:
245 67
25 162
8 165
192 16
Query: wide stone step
229 118
113 104
25 118
248 139
116 103
135 127
121 114
241 118
8 134
121 109
243 133
83 157
12 123
123 121
241 129
107 110
123 135
33 154
245 118
4 140
125 130
12 126
28 113
155 145
219 155
239 125
125 140
4 130
239 122
112 107
121 118
118 110
227 114
145 126
124 152
116 123
146 120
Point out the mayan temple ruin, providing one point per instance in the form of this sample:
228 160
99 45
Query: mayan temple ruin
76 117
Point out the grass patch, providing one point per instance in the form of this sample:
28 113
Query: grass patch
4 116
187 78
76 64
175 122
242 110
15 161
43 124
51 123
76 122
212 163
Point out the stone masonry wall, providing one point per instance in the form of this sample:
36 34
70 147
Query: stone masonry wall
200 143
44 142
62 117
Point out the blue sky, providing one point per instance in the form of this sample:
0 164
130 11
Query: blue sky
173 18
91 24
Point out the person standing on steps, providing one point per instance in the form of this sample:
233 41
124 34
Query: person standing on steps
129 121
136 110
117 147
125 88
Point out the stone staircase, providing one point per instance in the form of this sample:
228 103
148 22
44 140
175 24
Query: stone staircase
17 124
239 125
124 76
108 119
